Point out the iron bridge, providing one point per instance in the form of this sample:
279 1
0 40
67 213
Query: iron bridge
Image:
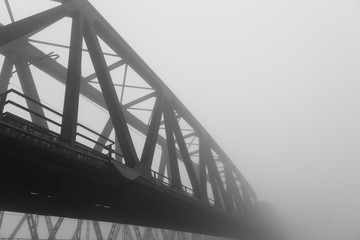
119 147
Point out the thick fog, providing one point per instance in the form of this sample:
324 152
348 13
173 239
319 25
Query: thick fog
276 83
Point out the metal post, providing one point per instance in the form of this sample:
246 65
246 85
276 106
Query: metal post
5 74
173 160
186 157
32 227
71 100
152 135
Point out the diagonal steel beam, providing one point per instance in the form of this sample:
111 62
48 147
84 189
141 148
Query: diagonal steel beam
56 228
213 170
5 74
111 99
173 160
110 68
77 233
97 229
32 226
152 135
33 23
29 89
186 157
239 201
1 218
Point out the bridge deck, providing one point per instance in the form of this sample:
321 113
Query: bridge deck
44 175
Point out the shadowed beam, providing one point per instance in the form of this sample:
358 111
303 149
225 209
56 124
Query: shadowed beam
26 26
71 100
186 157
5 74
173 160
152 135
111 99
109 127
29 88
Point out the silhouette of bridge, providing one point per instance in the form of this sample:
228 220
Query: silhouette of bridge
119 147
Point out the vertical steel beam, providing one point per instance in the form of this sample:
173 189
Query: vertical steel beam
56 228
77 233
29 89
248 203
110 96
202 168
5 74
37 217
33 23
97 230
112 231
229 188
17 228
173 161
72 91
1 218
232 189
205 156
213 170
152 135
186 157
117 231
137 232
87 237
32 227
164 160
147 234
123 84
239 202
164 235
9 11
49 224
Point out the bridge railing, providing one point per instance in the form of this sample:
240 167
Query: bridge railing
9 105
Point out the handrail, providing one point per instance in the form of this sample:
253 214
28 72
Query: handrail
4 101
157 176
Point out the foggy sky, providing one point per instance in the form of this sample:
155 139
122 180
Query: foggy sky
276 83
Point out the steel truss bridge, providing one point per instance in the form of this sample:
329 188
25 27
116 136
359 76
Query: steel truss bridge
89 131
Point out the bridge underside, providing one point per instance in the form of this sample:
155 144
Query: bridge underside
42 175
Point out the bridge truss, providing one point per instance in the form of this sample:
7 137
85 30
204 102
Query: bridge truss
81 112
30 226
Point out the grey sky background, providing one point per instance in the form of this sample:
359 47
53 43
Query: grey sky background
276 83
